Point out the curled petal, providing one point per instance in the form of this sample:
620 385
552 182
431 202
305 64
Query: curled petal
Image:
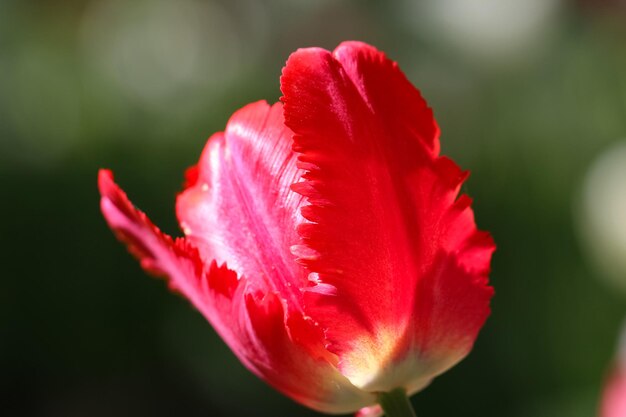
209 287
238 207
383 226
157 252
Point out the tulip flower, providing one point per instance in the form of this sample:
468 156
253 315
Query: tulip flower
325 239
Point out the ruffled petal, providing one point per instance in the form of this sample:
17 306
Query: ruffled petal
207 286
309 379
250 322
399 269
239 208
157 252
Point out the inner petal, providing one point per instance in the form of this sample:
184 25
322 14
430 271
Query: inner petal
241 210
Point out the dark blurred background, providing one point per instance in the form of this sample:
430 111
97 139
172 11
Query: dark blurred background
528 95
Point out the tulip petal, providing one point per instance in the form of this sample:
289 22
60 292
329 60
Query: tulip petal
209 288
613 403
249 321
239 207
373 411
289 367
402 265
159 254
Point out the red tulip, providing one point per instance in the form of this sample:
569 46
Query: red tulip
324 239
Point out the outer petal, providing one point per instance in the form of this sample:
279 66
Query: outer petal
157 252
239 208
209 287
401 267
614 396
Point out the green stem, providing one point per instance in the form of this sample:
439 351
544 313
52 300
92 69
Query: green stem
396 404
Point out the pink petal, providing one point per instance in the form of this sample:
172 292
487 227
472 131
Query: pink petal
157 252
613 402
178 260
384 228
250 322
239 207
373 411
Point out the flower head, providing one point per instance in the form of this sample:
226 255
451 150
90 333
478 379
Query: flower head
324 237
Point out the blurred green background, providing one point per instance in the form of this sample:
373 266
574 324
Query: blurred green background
527 94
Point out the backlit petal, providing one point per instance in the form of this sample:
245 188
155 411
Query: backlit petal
157 252
208 287
373 411
240 208
402 266
613 402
